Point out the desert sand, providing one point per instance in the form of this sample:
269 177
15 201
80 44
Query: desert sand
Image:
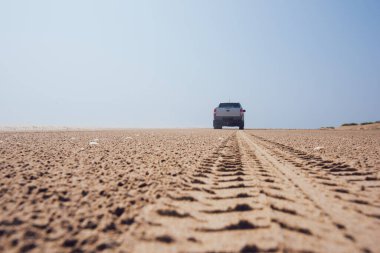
190 190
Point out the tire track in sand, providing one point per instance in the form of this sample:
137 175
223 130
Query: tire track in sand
362 230
356 186
218 208
241 199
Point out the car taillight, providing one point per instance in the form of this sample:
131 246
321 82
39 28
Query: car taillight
241 111
214 111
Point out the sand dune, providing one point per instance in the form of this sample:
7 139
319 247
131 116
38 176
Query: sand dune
373 126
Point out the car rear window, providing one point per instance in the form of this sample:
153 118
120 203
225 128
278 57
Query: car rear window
229 105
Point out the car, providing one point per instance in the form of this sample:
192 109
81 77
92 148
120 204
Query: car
229 114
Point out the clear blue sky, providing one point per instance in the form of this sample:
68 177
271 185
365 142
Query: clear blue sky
292 64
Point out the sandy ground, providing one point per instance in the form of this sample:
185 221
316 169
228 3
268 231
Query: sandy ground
190 191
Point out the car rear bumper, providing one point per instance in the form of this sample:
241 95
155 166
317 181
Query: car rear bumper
228 121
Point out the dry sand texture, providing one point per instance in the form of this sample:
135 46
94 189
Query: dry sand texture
190 191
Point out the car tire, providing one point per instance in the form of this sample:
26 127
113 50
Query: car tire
217 125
